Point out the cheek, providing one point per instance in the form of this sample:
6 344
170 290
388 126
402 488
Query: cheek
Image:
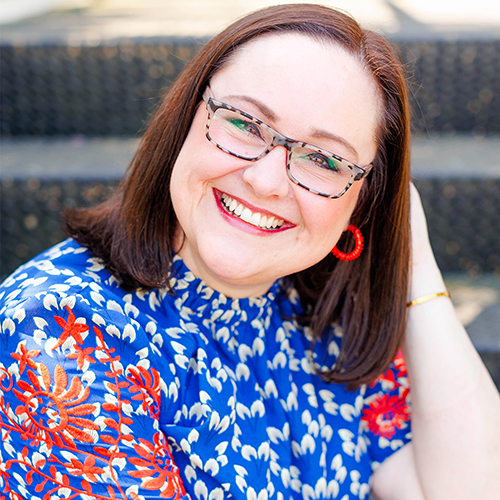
332 216
200 161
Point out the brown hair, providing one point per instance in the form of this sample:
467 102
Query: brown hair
133 232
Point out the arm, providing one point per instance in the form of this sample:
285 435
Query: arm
455 452
78 410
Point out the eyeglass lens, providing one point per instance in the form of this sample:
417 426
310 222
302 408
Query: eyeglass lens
310 167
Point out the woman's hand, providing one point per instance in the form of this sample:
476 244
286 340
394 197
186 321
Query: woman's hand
425 277
455 450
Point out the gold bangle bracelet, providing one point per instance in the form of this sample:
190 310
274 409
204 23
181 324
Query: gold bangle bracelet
425 298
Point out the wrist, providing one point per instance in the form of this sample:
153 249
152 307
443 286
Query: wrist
426 298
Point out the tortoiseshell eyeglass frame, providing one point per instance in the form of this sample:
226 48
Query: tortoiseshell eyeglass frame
213 105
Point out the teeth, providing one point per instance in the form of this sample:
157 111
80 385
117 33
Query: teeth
255 220
244 213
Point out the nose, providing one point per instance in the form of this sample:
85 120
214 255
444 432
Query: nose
267 176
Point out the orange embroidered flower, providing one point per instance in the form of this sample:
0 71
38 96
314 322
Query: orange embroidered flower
54 414
88 469
70 327
24 357
156 459
82 355
147 387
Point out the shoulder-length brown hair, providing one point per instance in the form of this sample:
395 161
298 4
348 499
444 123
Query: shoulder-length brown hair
133 232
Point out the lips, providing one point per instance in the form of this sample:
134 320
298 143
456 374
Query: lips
237 209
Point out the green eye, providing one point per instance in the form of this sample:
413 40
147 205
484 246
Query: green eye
245 126
238 123
322 161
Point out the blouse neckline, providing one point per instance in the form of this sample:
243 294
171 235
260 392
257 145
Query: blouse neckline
202 300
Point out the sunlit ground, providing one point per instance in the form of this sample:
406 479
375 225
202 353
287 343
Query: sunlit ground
205 17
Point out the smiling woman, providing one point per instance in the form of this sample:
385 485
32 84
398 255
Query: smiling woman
230 323
336 110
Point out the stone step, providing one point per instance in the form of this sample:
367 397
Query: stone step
111 90
477 302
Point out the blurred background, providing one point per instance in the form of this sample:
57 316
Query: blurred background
80 79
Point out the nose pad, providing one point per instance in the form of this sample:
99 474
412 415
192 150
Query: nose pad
268 176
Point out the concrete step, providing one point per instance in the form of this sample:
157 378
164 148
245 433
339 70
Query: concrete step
477 302
450 156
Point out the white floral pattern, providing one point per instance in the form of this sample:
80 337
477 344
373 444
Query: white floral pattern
221 391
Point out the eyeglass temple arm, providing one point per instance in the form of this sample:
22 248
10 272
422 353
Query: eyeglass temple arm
364 172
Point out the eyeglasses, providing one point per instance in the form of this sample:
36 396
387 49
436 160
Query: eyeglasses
248 138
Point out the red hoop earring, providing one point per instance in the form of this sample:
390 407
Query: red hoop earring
357 249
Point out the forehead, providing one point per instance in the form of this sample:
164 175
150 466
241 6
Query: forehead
308 84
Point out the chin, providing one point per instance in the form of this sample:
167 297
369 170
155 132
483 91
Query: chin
229 266
237 269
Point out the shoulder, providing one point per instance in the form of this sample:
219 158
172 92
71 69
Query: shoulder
68 275
65 277
65 300
58 297
66 268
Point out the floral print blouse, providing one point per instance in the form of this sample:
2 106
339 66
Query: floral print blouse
149 395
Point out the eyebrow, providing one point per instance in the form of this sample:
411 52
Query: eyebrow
323 134
316 132
267 112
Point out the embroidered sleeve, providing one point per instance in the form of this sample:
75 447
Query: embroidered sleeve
79 405
385 419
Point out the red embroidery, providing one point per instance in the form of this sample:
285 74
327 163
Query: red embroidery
385 415
25 357
54 416
56 413
148 389
70 327
82 355
156 459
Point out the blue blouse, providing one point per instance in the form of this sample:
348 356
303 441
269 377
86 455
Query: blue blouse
190 394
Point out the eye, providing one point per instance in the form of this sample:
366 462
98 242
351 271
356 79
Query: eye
323 161
246 126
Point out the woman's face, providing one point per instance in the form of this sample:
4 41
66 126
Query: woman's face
309 91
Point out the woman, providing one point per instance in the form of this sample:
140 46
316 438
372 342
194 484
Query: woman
200 337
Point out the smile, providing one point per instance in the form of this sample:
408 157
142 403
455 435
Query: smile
237 209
